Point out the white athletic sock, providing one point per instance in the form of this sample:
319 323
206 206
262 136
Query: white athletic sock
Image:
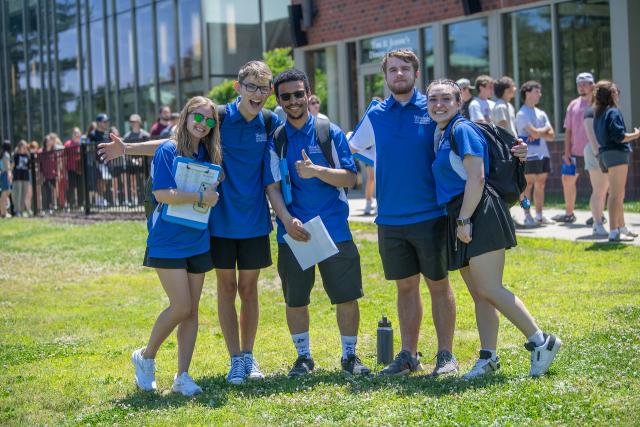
537 338
494 354
614 233
348 345
301 341
539 216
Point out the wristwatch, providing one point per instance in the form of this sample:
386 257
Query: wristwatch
460 222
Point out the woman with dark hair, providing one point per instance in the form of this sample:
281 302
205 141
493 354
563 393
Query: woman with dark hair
614 154
480 228
5 178
179 254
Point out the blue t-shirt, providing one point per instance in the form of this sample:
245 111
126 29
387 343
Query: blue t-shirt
312 197
448 168
242 211
609 128
166 239
403 139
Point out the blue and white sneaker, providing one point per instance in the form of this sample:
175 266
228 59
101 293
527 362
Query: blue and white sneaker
237 373
251 368
542 356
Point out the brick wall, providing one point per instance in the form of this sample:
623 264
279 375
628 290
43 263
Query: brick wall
344 19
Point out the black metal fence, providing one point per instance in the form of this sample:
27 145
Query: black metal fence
74 180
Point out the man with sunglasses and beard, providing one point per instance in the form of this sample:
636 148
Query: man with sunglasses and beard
317 189
240 223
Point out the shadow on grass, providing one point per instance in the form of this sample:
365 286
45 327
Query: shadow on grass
607 246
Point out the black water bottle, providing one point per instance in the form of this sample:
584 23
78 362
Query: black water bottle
385 341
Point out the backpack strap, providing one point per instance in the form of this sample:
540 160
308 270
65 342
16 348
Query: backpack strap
323 136
267 116
452 141
222 113
280 141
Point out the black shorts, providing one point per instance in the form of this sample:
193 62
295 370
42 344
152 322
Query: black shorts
534 167
492 229
253 253
407 250
341 276
195 264
610 158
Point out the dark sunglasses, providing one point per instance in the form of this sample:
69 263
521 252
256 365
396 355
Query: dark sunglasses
209 121
314 103
299 94
254 88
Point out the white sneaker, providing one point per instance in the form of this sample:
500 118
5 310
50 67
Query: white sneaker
542 356
251 368
618 236
625 230
599 230
543 220
237 373
368 209
484 365
185 385
529 221
145 371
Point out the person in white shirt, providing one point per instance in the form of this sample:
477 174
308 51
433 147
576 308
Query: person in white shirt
314 107
503 114
482 105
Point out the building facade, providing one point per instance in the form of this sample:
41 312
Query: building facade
64 61
550 41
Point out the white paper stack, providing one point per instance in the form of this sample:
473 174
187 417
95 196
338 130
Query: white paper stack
318 248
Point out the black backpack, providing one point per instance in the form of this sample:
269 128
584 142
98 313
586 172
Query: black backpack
150 202
506 171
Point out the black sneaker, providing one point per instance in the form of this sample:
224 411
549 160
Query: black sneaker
565 218
403 364
446 364
303 365
589 222
354 366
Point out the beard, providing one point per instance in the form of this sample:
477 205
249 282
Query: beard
402 87
293 116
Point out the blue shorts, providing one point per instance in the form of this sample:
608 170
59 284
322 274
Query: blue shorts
4 181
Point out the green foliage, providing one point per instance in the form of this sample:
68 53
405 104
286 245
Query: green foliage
320 88
278 60
73 309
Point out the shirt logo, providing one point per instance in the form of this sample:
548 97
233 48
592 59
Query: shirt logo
261 137
314 149
421 120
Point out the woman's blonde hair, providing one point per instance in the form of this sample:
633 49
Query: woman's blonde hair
211 142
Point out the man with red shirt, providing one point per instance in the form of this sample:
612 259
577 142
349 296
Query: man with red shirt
162 123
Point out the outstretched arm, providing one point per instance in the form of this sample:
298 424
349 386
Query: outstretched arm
117 148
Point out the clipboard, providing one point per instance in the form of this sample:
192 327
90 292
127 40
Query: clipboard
192 176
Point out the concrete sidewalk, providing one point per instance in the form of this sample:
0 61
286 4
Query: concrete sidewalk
578 231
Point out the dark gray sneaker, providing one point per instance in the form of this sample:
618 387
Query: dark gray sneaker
446 364
354 366
403 364
303 365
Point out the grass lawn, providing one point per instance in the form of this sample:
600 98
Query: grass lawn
74 303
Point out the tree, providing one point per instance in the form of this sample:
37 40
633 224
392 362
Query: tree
278 60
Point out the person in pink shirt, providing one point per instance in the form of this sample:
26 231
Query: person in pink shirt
575 139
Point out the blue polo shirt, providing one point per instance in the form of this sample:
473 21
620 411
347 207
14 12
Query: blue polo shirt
242 211
448 169
403 139
166 239
312 197
610 129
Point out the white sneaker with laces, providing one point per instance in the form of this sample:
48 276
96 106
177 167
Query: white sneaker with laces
542 356
484 365
599 230
251 368
145 371
529 221
237 372
625 230
185 385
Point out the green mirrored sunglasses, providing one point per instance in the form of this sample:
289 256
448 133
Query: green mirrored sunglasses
209 121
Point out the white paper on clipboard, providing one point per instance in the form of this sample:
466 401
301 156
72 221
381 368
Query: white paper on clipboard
193 177
318 248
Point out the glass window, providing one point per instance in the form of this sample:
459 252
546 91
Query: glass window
35 67
125 49
275 13
585 43
233 29
127 107
166 41
123 5
373 49
148 105
70 111
168 95
468 49
97 56
145 41
95 9
190 38
428 72
528 52
17 70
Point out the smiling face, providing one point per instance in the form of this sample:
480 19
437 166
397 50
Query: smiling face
293 99
443 104
253 92
533 96
199 130
400 76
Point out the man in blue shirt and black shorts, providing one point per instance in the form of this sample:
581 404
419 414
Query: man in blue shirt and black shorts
317 182
411 225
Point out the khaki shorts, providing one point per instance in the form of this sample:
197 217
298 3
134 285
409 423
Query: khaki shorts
590 159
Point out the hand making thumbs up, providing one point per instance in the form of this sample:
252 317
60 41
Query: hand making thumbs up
305 167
